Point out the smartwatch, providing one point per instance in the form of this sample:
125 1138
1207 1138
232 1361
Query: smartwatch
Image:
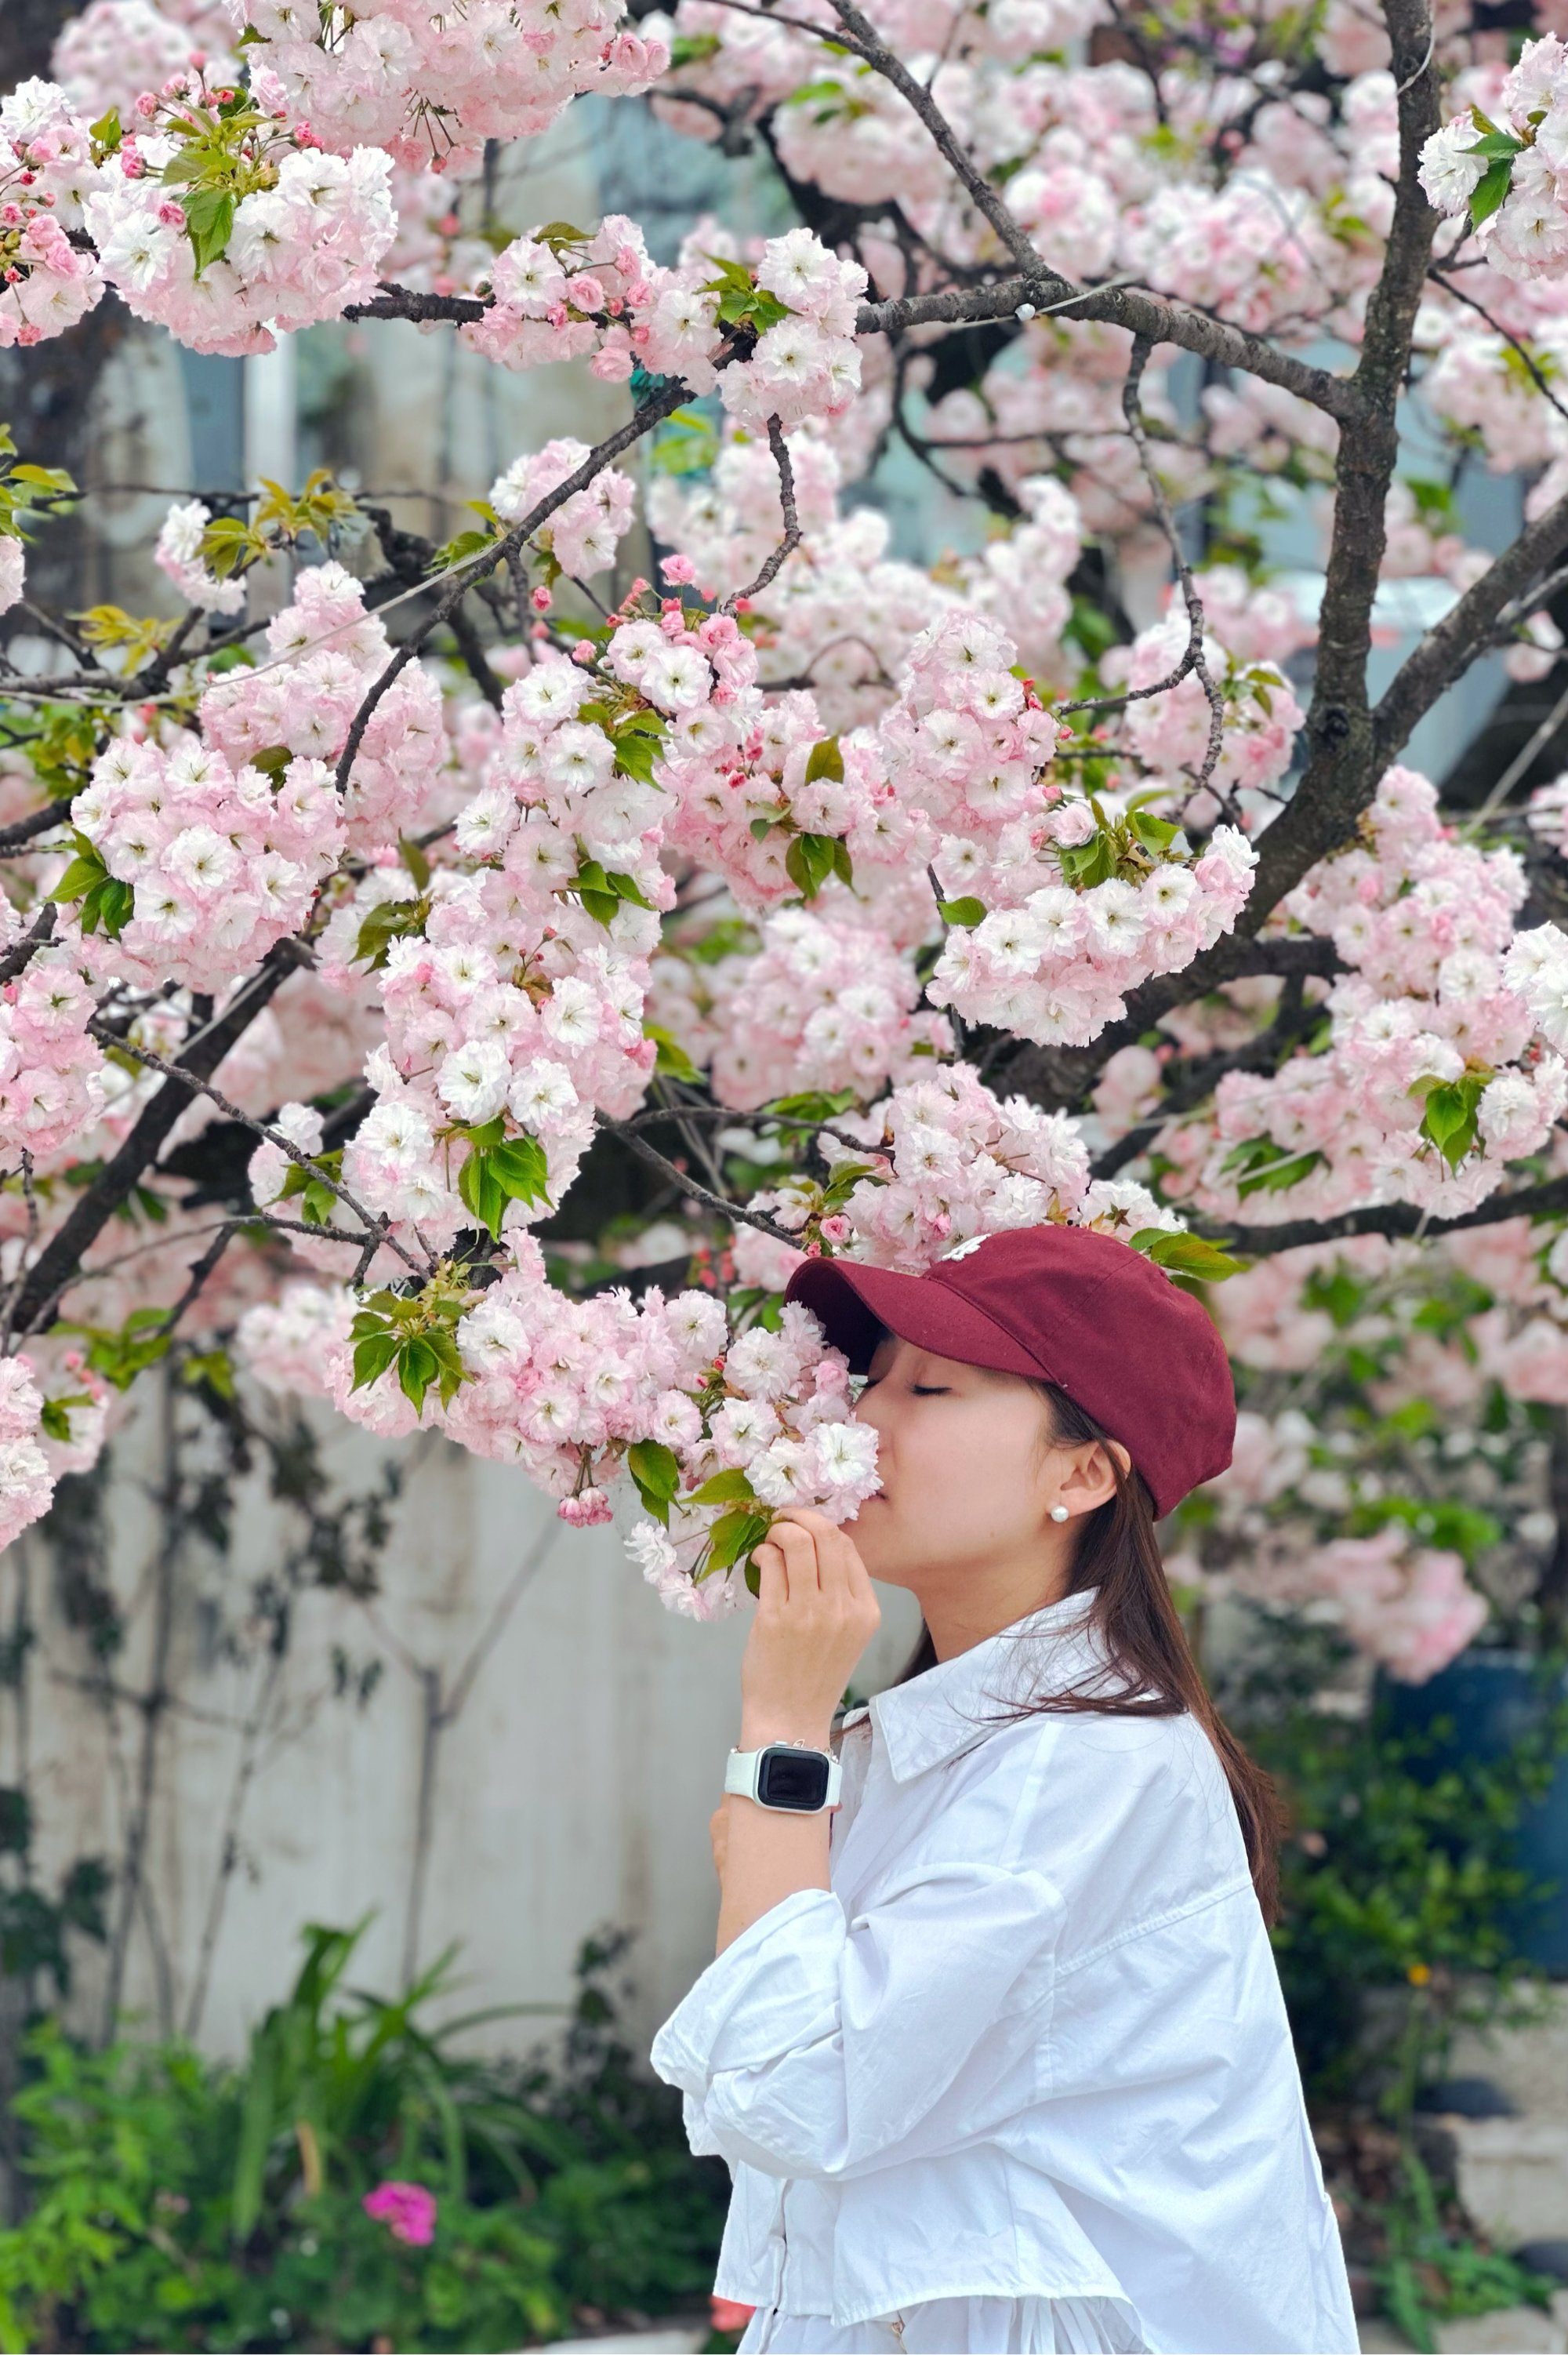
787 1777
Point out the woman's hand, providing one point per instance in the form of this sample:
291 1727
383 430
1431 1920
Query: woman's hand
816 1611
815 1614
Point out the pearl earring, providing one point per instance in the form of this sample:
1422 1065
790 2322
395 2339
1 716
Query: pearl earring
1060 1513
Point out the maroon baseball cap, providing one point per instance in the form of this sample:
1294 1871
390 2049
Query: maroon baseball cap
1059 1304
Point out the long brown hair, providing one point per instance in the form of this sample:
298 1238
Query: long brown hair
1149 1669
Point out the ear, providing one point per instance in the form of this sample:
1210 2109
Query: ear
1088 1476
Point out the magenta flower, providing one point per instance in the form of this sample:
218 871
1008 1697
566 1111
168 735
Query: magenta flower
408 2210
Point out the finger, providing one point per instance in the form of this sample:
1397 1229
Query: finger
832 1549
799 1548
772 1579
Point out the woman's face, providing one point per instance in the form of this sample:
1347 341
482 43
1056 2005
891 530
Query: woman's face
968 1478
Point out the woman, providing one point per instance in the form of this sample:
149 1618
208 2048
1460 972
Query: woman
995 2048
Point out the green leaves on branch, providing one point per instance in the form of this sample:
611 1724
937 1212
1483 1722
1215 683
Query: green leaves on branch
316 1199
136 636
231 543
657 1473
741 302
28 492
672 1063
968 911
104 899
1192 1256
415 1336
1266 1167
1127 847
500 1169
466 544
1449 1120
813 858
603 891
121 1356
1498 149
686 443
55 1421
391 920
813 1108
810 859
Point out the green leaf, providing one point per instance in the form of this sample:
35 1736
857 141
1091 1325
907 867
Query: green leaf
626 887
1276 1176
209 224
414 859
816 1104
212 1367
1448 1119
1490 191
109 903
967 911
1495 144
635 754
273 761
725 1489
809 862
390 921
479 1192
1084 864
55 1416
1155 834
825 759
373 1355
653 1465
417 1369
86 870
522 1168
108 131
672 1063
1183 1254
736 1535
657 1473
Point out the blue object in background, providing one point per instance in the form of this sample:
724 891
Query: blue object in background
1494 1699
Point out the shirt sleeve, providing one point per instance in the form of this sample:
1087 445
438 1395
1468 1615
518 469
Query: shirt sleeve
816 2045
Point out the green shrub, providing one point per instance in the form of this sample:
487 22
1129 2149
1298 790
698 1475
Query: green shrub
180 2203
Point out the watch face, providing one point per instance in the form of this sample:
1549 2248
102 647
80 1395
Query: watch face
792 1778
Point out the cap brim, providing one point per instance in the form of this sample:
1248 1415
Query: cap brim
856 1305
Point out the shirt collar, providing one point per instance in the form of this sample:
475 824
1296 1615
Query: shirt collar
950 1708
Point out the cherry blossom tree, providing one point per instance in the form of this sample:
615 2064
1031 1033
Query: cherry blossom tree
856 906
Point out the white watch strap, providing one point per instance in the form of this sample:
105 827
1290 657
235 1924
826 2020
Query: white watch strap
741 1769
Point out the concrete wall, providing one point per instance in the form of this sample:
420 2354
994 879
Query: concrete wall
559 1736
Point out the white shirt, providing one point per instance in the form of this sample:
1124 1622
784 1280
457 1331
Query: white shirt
1031 2044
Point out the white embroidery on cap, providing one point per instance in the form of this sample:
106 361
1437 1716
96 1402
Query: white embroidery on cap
962 1251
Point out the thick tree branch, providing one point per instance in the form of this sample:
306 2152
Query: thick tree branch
1465 629
1133 308
27 830
1395 1220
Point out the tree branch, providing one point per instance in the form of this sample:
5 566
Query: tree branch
1395 1220
1465 629
790 512
663 404
710 1202
61 1257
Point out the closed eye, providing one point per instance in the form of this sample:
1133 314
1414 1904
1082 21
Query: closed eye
922 1390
